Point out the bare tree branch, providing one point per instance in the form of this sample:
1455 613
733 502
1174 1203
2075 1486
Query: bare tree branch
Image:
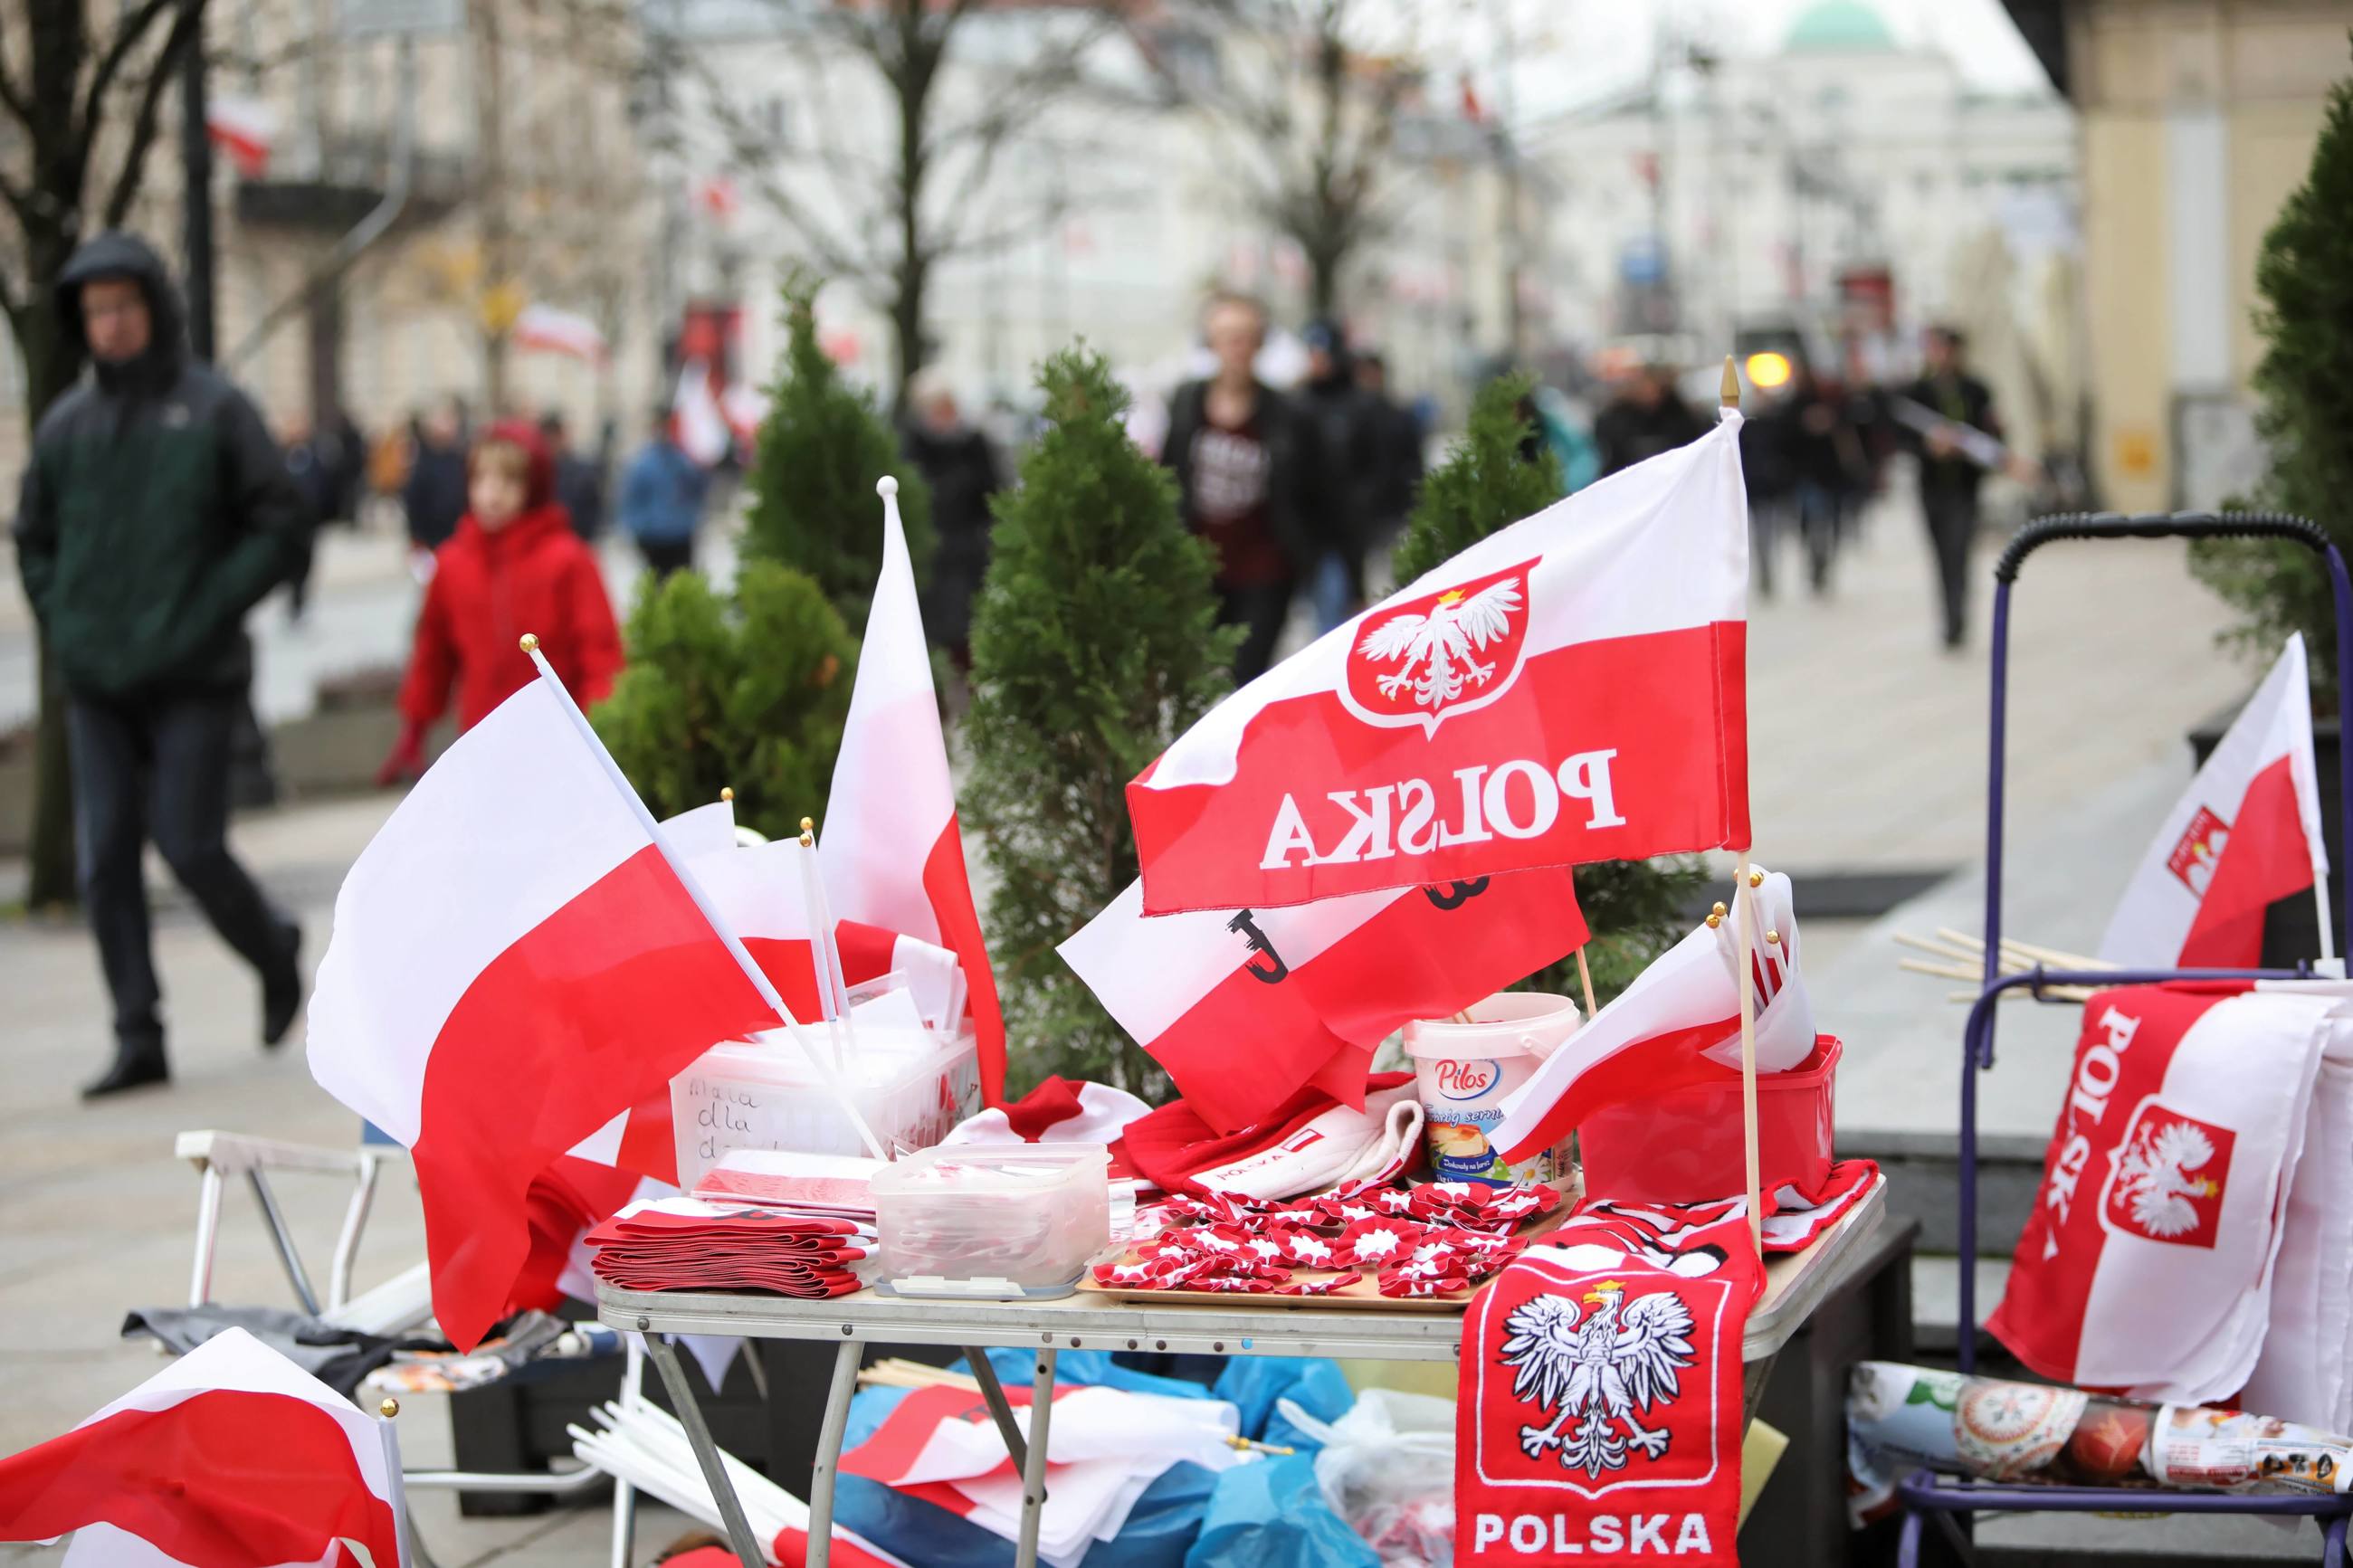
127 36
12 96
177 44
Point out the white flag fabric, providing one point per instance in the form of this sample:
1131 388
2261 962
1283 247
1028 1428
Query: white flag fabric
230 1454
2305 1371
891 852
2246 832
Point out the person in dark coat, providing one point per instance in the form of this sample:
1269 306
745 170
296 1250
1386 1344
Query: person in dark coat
579 478
662 492
961 467
434 496
1348 482
156 512
1243 460
1949 477
1645 419
311 463
1398 451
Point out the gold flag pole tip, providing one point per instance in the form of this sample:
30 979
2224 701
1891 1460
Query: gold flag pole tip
886 487
389 1408
727 792
530 644
1731 392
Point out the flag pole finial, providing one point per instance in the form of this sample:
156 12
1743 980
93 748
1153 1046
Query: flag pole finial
727 792
808 833
529 643
886 487
1731 394
389 1408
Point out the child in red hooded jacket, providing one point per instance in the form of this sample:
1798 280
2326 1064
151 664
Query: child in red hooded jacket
515 565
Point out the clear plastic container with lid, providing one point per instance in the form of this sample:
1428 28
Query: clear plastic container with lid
971 1217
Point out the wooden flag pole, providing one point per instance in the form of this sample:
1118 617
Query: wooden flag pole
1744 899
1585 978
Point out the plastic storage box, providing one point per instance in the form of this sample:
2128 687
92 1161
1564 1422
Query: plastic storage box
910 1086
1684 1146
1006 1219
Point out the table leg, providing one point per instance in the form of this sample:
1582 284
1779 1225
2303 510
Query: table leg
664 1354
846 1358
1033 1470
998 1405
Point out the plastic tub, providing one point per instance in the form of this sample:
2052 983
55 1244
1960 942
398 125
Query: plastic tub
1466 1070
1684 1146
1029 1217
910 1085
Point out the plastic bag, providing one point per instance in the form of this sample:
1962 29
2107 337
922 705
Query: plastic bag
1259 1386
1274 1515
1387 1467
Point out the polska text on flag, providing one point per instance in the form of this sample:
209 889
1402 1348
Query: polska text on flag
891 853
1571 689
231 1454
514 962
2246 832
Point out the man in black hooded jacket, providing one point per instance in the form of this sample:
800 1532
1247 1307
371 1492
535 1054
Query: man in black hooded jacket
156 512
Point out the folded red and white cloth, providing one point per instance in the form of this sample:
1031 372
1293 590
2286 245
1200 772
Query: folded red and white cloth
1059 1110
1103 1448
1600 1409
1313 1144
1792 1220
836 1186
686 1244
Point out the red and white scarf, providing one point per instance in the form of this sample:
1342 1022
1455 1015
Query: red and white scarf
1601 1405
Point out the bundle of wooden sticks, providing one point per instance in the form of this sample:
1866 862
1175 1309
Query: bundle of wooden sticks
1964 957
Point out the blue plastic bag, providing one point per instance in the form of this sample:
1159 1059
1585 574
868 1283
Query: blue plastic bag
1253 1385
1274 1515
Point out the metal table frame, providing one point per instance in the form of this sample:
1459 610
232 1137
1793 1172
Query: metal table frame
1795 1285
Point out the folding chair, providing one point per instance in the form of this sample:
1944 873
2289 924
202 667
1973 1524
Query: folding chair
1947 1502
401 1304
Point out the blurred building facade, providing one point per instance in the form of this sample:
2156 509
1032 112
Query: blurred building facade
2199 119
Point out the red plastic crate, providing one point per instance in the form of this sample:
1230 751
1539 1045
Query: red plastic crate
1684 1146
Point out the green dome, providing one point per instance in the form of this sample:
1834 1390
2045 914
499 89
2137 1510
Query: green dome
1842 27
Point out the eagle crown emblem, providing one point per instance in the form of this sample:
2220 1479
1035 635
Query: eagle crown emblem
1599 1372
1438 651
2153 1175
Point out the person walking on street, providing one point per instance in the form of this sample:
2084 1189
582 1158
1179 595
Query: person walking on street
1398 446
662 499
579 478
1648 417
156 512
1347 483
961 468
1242 457
1948 477
434 496
309 464
513 566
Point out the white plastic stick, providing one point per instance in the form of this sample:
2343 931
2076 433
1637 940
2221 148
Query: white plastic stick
1743 904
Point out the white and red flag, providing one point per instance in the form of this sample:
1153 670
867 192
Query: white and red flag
1245 1006
244 128
1571 689
893 854
515 961
231 1456
2245 835
2147 1262
1677 1025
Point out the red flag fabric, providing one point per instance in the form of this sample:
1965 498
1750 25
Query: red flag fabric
1600 1409
1244 1007
1569 689
230 1457
514 963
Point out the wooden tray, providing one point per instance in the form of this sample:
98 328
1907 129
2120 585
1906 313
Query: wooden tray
1365 1294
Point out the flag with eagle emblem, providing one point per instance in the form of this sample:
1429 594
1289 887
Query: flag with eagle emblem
1571 689
1601 1408
2148 1261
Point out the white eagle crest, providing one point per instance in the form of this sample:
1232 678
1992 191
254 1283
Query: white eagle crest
1601 1369
2153 1176
1438 648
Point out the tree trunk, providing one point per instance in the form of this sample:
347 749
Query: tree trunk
51 363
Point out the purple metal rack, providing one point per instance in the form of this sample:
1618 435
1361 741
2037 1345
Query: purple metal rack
1925 1496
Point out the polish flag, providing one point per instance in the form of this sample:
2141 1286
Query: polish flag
1678 1024
515 960
893 855
230 1457
703 433
2246 835
244 128
547 329
1571 689
1244 1007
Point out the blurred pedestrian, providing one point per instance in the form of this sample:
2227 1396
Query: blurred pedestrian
662 499
1241 457
579 478
1826 465
1398 447
513 567
156 512
1347 483
961 467
1647 417
435 494
310 464
1950 477
348 468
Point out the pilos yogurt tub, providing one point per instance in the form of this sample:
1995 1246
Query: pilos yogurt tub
1465 1071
